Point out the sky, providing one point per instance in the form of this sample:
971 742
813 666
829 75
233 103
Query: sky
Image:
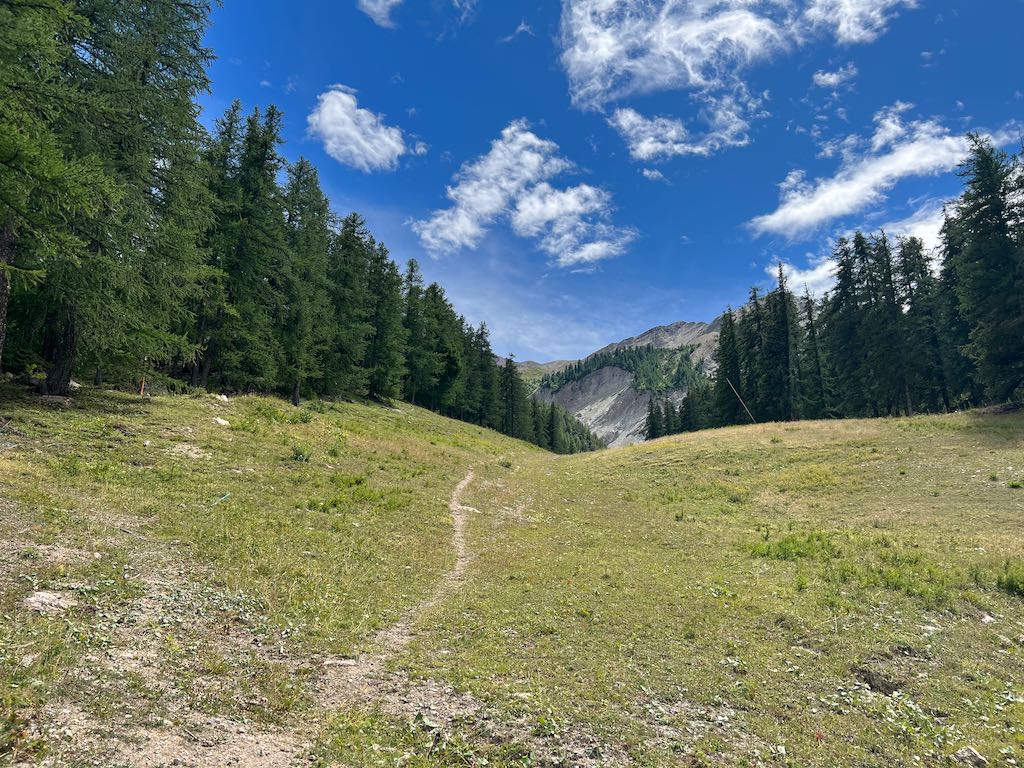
574 172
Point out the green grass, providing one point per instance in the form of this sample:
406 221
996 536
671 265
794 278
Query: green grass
721 594
815 594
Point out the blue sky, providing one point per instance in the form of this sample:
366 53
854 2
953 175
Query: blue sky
574 172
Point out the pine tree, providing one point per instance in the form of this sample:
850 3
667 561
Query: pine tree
556 430
843 336
750 337
348 275
918 295
41 187
727 407
654 427
958 369
781 360
815 405
423 363
989 270
385 349
306 317
247 346
122 299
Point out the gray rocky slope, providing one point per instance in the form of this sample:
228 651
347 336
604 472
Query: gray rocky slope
606 401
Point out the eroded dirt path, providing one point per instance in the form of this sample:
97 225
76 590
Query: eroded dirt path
184 736
364 679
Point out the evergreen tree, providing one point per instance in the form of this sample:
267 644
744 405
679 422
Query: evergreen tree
918 295
350 253
844 333
750 336
990 268
42 186
654 427
781 360
727 407
385 349
122 297
815 405
423 363
305 324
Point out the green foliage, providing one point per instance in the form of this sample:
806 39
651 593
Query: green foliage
654 370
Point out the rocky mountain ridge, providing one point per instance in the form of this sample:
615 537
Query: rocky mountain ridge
606 399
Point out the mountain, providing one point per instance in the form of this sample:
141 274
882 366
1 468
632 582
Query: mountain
613 400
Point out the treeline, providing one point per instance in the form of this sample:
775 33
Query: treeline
653 369
134 245
898 334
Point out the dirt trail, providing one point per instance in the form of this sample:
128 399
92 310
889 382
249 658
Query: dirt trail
349 681
218 742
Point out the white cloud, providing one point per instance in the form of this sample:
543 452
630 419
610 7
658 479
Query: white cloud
522 29
896 151
841 76
925 223
379 10
512 182
855 21
355 136
818 277
617 48
659 138
653 174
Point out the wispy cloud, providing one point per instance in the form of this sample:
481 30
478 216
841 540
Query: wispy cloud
512 182
616 49
870 168
841 76
522 29
355 136
379 10
659 138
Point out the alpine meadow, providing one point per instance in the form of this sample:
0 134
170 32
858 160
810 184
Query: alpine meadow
679 421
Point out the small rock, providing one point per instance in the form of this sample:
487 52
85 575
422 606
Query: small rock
221 422
56 401
222 398
50 603
969 756
987 619
341 663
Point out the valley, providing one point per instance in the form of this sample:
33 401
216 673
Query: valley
356 585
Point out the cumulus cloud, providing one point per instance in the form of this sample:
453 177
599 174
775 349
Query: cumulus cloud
355 136
841 76
512 182
869 169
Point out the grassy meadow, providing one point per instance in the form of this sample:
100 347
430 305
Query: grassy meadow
813 594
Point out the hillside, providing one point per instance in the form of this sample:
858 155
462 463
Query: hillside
237 582
608 401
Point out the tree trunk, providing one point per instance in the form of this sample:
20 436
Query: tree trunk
204 374
297 390
6 256
58 380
